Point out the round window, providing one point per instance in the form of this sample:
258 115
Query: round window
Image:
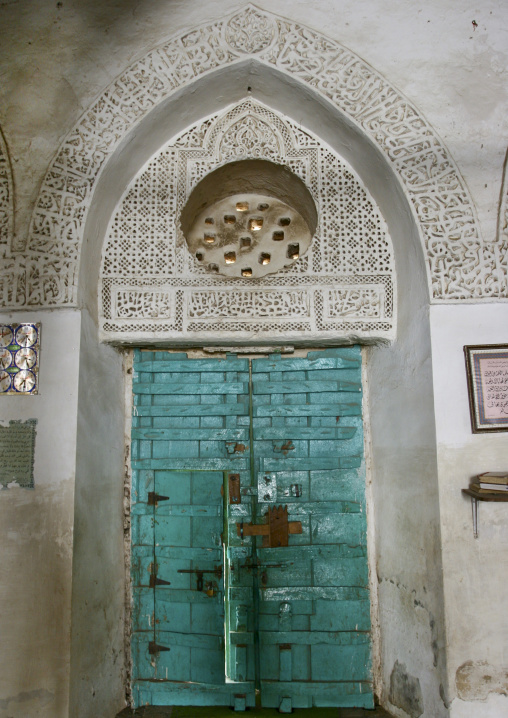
248 219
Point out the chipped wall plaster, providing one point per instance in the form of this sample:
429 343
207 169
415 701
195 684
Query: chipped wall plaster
474 570
37 531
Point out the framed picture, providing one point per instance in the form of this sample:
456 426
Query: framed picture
487 381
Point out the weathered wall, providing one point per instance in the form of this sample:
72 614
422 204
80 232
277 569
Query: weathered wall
97 679
61 55
475 570
37 529
58 58
405 502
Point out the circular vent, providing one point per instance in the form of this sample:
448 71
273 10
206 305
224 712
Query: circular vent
248 219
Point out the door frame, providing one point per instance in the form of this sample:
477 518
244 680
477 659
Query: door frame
247 353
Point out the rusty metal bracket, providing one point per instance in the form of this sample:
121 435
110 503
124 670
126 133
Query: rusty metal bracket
276 529
154 581
153 498
154 648
235 496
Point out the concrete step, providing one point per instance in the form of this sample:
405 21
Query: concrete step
224 712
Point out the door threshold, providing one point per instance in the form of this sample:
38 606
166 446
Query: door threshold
226 712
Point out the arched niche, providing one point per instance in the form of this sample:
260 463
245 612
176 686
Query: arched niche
387 150
153 289
214 92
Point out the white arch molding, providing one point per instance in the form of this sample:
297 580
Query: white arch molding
460 265
153 289
6 199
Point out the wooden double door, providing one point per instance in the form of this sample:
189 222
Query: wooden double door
249 562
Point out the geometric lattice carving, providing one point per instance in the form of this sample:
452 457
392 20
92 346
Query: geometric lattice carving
343 285
460 265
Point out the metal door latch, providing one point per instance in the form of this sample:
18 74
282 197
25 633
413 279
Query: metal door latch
276 529
210 590
234 489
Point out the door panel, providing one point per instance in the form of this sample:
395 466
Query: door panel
186 433
294 621
306 457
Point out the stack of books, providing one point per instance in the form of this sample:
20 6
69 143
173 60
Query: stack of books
491 482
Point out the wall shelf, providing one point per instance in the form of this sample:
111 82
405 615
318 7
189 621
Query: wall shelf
475 497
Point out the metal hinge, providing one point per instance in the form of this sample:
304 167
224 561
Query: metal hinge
154 581
154 498
154 648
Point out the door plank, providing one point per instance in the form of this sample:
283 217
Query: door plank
307 387
278 364
191 389
233 463
289 464
292 433
327 593
191 409
345 407
309 638
194 434
195 365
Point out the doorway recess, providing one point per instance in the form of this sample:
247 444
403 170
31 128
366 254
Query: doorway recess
248 532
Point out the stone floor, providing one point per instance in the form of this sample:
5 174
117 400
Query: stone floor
191 712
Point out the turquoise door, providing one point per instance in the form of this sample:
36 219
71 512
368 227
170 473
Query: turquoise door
221 615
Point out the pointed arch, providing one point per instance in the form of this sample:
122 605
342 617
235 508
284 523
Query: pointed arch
6 197
460 265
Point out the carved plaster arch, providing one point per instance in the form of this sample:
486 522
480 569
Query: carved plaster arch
502 219
460 265
153 289
6 198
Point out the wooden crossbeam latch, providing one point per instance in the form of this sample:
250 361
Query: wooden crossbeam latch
276 529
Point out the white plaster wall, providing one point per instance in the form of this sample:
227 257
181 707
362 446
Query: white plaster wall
475 570
37 533
404 491
61 55
97 679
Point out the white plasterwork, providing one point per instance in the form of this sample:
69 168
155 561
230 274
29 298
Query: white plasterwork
342 286
6 199
461 266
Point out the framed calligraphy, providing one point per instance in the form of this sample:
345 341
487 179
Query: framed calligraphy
487 381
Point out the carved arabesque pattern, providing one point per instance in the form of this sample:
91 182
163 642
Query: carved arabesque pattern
6 199
351 242
460 265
